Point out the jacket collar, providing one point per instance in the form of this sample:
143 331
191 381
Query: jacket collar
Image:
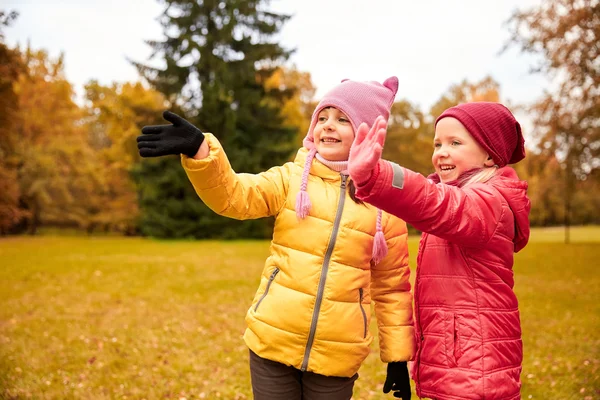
514 191
317 168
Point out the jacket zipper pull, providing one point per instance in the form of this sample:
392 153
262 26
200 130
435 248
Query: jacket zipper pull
344 178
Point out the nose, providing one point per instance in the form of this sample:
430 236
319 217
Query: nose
442 151
328 125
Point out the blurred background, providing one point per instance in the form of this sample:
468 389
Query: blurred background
98 299
80 79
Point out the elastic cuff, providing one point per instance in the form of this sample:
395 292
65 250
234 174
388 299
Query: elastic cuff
368 185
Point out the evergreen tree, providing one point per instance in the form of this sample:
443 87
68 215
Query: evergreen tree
217 57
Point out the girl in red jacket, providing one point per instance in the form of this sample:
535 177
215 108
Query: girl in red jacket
473 213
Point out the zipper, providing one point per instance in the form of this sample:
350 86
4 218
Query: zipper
417 310
456 338
324 269
360 292
271 278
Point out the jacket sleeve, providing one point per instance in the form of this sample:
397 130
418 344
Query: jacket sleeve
390 290
468 215
239 196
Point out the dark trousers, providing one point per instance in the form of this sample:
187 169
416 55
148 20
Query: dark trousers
275 381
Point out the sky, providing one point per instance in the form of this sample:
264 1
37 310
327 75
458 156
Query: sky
428 44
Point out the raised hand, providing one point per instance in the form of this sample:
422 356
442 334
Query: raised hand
366 150
179 138
397 380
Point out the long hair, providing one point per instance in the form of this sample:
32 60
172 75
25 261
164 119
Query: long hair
478 175
352 193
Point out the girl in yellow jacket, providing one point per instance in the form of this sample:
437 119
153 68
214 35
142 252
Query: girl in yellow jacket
330 254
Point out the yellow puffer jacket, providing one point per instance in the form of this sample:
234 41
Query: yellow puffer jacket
313 306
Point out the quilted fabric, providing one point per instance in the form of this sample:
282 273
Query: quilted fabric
308 254
467 318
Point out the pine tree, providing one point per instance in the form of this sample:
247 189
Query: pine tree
218 56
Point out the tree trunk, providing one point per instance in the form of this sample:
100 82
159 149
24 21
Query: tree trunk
569 193
34 222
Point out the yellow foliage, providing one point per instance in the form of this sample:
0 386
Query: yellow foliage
116 115
298 108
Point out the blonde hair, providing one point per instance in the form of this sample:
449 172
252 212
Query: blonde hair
481 175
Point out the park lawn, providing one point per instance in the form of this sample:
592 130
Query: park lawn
135 318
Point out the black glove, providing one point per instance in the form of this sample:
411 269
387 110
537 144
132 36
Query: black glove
179 138
397 380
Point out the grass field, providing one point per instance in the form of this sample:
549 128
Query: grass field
132 318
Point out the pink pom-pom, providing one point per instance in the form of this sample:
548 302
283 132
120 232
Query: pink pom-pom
379 247
302 204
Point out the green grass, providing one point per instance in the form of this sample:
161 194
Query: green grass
132 318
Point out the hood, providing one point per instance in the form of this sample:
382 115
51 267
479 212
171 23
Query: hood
514 191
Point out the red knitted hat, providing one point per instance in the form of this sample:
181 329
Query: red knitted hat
494 127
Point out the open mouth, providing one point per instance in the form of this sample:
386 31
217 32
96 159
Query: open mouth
330 140
447 168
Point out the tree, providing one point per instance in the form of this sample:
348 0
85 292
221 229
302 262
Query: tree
115 116
297 110
410 137
566 34
410 131
11 67
465 92
546 185
53 163
217 58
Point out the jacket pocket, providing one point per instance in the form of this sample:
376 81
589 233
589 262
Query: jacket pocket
453 340
271 279
362 310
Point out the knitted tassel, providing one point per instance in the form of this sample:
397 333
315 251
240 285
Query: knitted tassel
302 204
302 200
379 246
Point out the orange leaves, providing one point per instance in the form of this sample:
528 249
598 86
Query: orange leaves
297 109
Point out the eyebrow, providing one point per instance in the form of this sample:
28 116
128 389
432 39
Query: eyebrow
339 112
449 138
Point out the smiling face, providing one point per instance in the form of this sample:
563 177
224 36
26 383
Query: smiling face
333 134
455 151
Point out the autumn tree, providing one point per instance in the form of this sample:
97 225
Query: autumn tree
115 115
41 144
298 108
546 186
217 57
486 89
11 67
46 123
54 164
565 33
410 130
409 139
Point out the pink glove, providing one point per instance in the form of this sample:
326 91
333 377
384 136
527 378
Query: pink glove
366 150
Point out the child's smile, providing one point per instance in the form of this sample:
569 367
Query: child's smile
455 151
333 134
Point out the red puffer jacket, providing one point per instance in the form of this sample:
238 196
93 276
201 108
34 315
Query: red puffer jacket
467 318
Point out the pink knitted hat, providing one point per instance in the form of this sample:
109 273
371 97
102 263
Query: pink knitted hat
360 102
494 127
